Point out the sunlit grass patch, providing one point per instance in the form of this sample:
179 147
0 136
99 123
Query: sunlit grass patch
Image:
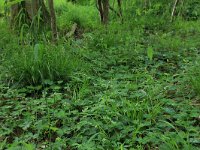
85 17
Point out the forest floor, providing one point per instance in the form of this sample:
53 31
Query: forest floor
133 91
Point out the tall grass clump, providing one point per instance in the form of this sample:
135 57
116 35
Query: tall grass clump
35 65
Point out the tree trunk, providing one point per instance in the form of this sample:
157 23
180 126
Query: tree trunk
35 7
103 7
53 20
106 11
100 8
14 10
30 8
45 13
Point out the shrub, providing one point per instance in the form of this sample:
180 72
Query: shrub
84 16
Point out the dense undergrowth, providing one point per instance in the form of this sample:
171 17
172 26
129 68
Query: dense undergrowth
134 85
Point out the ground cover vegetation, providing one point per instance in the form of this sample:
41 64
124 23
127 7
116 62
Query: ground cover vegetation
105 74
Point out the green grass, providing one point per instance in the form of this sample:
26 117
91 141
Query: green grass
1 4
194 77
86 17
35 65
105 90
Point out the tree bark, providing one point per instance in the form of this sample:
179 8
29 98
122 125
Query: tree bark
106 11
14 10
31 9
53 20
100 8
103 7
35 7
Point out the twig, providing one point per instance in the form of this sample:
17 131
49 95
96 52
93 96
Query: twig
173 10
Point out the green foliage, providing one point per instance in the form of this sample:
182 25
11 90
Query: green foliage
122 86
82 2
150 53
5 39
194 75
35 65
192 10
85 16
1 5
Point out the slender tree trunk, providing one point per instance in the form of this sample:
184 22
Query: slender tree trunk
100 8
105 11
103 7
53 20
